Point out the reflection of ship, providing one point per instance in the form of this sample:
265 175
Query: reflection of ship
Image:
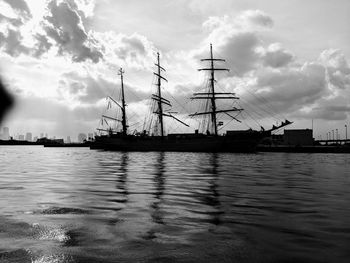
208 141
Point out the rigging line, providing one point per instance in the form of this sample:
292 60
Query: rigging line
256 112
259 97
275 116
268 105
261 116
253 119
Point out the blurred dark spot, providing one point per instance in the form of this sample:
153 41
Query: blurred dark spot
63 210
73 239
5 101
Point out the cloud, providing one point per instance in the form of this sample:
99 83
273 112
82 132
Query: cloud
337 68
16 14
12 43
133 51
64 26
12 21
42 45
83 88
255 18
88 89
292 87
237 39
275 56
20 6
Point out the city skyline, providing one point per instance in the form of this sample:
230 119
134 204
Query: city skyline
5 134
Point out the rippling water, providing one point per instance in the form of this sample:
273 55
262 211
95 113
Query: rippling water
77 205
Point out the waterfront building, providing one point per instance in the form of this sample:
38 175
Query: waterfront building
301 137
5 133
29 136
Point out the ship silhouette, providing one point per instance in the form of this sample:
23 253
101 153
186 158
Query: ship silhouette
207 141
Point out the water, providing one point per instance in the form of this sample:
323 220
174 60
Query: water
77 205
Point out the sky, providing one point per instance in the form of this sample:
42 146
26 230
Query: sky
287 60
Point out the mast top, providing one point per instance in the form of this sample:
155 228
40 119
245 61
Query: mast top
121 71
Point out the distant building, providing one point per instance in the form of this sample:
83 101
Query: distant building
90 136
302 137
81 137
68 139
21 137
5 133
35 139
41 135
29 136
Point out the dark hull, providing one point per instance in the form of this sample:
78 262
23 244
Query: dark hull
247 143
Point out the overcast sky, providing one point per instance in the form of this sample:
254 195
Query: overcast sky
287 59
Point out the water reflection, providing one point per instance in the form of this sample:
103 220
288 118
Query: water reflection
210 196
172 207
122 177
159 187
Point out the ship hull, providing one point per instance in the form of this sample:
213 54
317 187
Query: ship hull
180 143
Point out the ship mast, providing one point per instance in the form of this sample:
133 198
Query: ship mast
212 95
160 100
212 81
123 106
158 97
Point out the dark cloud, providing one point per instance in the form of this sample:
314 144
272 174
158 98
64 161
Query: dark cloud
257 17
12 43
42 45
293 88
64 26
275 56
238 41
240 53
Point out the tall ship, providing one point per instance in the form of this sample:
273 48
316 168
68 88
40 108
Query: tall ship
157 140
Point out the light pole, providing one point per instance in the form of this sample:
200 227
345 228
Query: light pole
346 132
333 134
